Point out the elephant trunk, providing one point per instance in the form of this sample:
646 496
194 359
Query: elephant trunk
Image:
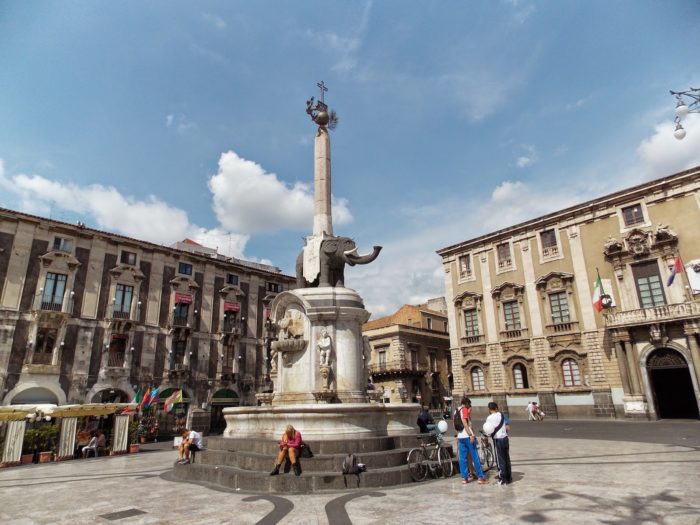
353 258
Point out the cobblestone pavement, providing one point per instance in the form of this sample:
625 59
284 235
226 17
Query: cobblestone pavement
622 480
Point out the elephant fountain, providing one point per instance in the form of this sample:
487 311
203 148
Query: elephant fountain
334 253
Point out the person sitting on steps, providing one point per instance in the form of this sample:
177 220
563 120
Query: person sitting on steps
289 447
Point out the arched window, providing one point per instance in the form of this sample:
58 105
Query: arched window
477 378
520 376
572 377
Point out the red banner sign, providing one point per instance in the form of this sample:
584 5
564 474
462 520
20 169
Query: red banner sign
231 307
183 298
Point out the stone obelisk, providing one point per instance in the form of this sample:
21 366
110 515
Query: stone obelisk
323 220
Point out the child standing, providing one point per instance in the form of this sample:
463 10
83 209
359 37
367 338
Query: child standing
496 426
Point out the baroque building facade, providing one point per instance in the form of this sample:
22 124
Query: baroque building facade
523 326
90 316
409 361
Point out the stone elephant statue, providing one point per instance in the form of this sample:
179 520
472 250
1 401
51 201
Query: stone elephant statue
334 254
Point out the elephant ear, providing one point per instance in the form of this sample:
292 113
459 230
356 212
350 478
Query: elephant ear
330 246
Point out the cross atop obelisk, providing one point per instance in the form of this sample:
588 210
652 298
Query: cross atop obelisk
323 87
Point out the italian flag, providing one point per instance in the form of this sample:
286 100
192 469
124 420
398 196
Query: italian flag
597 295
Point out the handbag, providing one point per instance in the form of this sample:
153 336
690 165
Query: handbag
306 451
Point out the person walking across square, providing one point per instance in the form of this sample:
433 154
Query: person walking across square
496 426
466 439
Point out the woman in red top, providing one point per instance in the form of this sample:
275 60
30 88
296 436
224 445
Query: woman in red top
289 447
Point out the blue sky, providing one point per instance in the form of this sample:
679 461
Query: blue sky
164 120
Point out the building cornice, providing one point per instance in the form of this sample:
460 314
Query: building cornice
601 204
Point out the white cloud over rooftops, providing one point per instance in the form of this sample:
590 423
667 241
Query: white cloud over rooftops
248 199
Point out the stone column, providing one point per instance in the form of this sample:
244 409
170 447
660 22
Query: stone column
14 437
690 333
633 370
622 364
66 444
323 221
121 434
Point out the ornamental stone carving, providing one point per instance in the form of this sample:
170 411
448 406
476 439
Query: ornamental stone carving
638 243
612 246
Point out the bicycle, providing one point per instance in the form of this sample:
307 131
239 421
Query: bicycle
486 451
429 457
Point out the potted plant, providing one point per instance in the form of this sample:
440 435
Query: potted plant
28 446
134 436
46 440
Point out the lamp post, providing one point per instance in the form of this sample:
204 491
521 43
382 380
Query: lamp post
686 102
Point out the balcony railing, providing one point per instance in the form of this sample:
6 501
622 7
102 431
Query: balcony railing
42 358
550 251
562 328
120 314
179 321
669 312
397 366
472 339
52 305
505 263
465 274
515 333
231 326
115 359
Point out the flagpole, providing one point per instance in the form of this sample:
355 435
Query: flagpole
685 286
602 290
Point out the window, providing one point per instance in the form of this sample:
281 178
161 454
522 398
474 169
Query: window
503 252
117 348
54 288
447 326
649 287
548 238
430 323
274 287
180 314
465 266
477 379
177 357
62 244
511 315
184 268
520 376
471 323
572 377
433 362
559 306
45 342
382 359
414 358
232 279
122 300
128 258
633 215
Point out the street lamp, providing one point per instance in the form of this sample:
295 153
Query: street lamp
686 102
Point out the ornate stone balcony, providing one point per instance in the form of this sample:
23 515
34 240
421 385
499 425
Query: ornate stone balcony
562 328
656 314
397 367
472 339
519 333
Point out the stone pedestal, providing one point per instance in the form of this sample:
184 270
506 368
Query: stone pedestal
307 315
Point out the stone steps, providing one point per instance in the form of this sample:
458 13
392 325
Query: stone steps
246 464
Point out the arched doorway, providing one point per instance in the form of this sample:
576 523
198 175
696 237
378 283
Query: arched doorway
671 384
35 396
110 395
222 398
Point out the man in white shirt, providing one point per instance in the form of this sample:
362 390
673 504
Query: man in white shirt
530 411
191 442
496 427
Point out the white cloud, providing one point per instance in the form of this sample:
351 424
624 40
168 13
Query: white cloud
662 154
180 123
150 219
248 199
214 20
343 48
528 159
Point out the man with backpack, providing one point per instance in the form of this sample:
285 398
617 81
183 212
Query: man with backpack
496 427
466 440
